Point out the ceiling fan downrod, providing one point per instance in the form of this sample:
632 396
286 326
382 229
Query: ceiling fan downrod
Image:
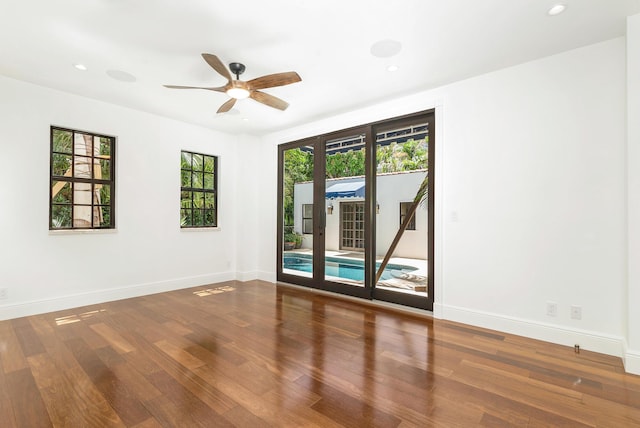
237 69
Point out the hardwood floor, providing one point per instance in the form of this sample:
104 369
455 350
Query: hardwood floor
253 354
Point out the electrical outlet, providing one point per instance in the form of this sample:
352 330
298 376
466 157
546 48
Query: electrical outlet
576 312
4 293
552 309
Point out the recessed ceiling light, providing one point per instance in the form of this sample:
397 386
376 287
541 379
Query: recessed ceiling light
385 48
556 10
393 68
245 119
80 67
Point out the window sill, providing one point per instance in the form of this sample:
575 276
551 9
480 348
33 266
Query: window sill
200 229
81 231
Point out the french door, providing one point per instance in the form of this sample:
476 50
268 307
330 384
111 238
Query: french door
355 211
352 226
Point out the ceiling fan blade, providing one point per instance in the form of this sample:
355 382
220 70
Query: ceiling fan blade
217 65
273 80
226 106
270 100
218 89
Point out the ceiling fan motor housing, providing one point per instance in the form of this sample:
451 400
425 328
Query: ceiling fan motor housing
237 69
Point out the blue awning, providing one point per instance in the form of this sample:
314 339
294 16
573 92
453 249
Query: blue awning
352 189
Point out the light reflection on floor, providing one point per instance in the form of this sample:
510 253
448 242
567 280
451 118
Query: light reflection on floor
70 319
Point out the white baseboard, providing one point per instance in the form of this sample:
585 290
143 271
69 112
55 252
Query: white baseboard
247 276
632 362
437 310
588 340
267 276
41 306
561 335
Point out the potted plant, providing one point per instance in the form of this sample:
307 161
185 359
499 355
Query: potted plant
289 240
298 239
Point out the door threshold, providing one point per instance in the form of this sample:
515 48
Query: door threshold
381 304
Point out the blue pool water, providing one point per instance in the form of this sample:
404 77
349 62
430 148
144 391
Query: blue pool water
339 267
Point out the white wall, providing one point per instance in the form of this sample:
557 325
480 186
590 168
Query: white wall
530 195
632 357
148 252
534 168
246 212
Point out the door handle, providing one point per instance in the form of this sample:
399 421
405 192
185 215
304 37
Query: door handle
322 223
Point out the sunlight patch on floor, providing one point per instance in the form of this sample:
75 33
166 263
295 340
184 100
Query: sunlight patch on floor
70 319
210 291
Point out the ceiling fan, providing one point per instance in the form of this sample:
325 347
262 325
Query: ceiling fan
238 89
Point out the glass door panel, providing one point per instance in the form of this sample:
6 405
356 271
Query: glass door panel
402 219
297 211
345 195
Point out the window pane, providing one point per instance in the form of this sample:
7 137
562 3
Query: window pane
208 181
307 226
198 199
104 172
102 195
197 162
196 180
185 200
83 145
209 217
185 160
61 165
104 216
198 217
307 210
60 216
209 164
61 192
185 217
105 147
61 141
185 179
209 200
82 216
82 167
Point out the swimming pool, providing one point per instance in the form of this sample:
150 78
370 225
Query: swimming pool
340 267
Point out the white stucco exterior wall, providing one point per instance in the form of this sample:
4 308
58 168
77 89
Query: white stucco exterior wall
391 190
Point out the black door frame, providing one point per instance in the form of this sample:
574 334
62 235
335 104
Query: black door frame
368 291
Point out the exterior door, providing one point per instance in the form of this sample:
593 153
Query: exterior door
352 226
355 211
322 215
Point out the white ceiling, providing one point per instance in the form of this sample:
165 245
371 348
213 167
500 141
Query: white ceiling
327 42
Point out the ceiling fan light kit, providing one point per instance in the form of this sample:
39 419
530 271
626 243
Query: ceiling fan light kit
239 89
238 93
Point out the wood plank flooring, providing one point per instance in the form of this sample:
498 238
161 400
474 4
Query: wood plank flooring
254 354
